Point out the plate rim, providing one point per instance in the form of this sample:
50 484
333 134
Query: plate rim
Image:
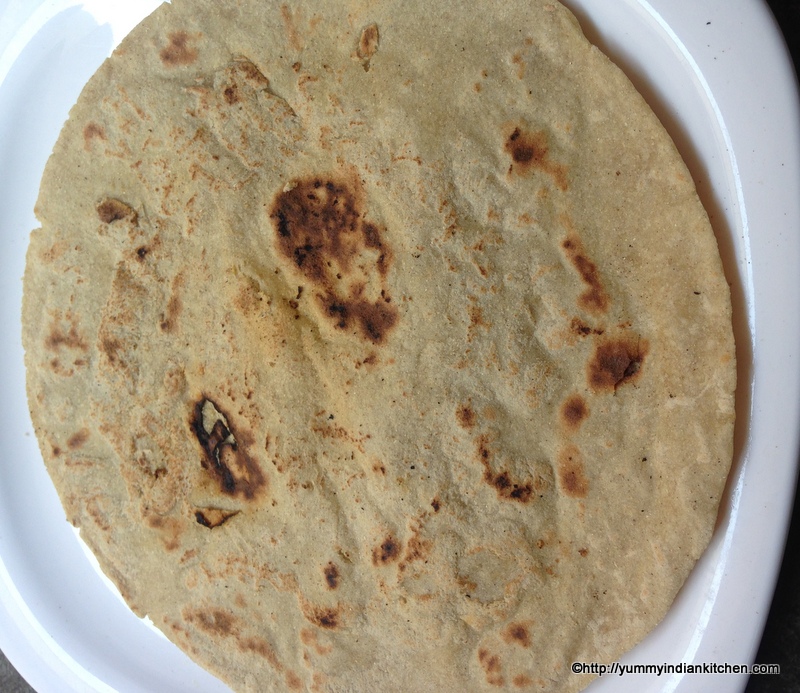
23 642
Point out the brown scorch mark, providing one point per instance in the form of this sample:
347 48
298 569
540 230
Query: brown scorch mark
294 682
322 232
70 339
91 132
217 622
573 412
466 416
491 667
213 621
252 73
231 94
174 308
290 24
78 438
616 362
387 552
323 617
517 633
367 45
111 210
170 528
580 328
228 463
213 517
169 318
529 150
178 51
595 299
571 473
331 575
417 548
309 638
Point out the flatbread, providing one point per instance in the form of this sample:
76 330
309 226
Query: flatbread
379 346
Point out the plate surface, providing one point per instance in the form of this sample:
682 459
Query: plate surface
717 75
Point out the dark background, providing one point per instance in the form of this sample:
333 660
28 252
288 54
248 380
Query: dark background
781 641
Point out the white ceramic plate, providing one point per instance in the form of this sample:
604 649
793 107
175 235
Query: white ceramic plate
717 74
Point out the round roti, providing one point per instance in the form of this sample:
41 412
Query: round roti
378 345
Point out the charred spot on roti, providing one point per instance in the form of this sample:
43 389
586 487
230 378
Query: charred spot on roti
511 490
373 320
111 210
595 299
573 412
616 362
529 151
524 150
317 223
331 575
507 488
235 471
178 50
322 616
571 474
580 328
483 449
367 45
213 517
321 231
388 551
